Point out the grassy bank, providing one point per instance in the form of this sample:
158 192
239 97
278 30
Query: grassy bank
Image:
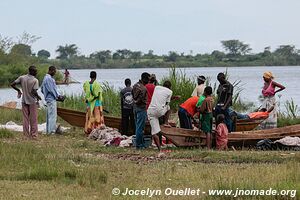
73 167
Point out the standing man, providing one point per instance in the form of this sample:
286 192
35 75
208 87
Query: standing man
150 88
49 89
224 92
30 98
139 93
127 107
67 76
199 89
159 107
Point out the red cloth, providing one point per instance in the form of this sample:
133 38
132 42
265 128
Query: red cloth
258 115
150 89
190 105
222 136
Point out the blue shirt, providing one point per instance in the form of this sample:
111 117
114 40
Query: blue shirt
49 89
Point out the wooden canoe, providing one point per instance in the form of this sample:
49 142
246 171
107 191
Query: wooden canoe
188 138
183 137
66 83
77 118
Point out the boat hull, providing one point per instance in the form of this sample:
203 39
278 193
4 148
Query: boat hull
186 137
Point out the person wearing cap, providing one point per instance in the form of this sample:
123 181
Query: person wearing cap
268 92
199 89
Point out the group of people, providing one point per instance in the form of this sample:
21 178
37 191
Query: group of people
201 104
30 101
147 100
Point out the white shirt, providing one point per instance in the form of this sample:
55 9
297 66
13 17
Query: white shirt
161 98
198 91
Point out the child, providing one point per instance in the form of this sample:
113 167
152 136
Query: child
207 117
221 133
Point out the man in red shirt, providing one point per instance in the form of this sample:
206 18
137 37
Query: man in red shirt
186 112
150 88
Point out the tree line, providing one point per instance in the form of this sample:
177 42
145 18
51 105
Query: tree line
235 53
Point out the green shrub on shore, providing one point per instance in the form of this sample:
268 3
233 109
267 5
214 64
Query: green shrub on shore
290 115
182 85
9 73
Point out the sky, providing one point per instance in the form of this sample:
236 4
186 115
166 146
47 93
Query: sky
195 26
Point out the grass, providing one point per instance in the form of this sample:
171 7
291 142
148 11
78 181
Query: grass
4 133
73 167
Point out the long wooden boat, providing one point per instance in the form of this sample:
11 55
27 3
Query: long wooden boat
77 118
66 83
188 138
183 137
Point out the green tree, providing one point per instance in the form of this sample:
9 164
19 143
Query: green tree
235 47
218 55
136 55
171 57
44 54
67 51
21 49
116 56
150 54
286 50
102 56
124 53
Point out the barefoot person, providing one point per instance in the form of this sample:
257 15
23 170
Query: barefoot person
30 98
94 101
51 94
268 93
159 107
206 120
221 133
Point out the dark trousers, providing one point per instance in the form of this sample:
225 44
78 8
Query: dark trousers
228 120
185 119
127 121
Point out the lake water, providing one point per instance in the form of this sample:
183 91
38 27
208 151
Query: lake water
251 77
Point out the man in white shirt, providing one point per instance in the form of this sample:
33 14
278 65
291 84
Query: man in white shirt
199 89
158 107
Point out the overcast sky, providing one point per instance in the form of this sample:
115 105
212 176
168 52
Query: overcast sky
160 25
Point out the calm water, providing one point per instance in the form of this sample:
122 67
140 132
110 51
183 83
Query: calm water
251 80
